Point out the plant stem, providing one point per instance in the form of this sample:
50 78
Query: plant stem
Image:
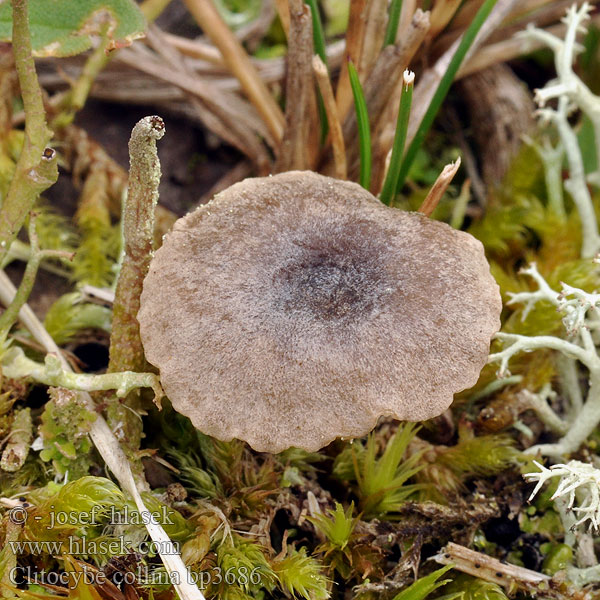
35 170
391 181
364 127
393 20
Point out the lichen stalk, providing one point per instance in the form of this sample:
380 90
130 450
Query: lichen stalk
17 366
579 310
10 315
571 93
33 173
126 351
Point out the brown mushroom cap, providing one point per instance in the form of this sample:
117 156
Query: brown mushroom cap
294 309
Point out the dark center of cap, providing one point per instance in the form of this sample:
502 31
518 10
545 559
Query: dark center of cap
329 279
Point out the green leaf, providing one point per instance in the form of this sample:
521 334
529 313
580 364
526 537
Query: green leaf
66 27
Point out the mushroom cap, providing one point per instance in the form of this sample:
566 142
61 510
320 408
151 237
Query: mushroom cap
297 308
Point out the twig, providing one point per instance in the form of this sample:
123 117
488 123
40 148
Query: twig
293 151
354 40
439 188
335 127
373 35
485 567
239 63
36 169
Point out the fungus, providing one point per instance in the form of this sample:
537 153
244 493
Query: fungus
294 309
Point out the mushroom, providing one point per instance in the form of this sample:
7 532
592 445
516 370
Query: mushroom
294 309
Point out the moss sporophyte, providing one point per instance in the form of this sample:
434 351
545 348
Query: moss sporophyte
294 309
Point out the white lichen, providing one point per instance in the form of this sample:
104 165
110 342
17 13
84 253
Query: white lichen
581 318
572 94
579 486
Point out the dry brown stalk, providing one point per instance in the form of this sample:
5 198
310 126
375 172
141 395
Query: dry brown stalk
195 48
409 8
354 40
236 58
335 127
293 151
374 33
441 14
385 76
438 189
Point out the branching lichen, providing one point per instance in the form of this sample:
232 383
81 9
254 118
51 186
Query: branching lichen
36 169
571 93
581 319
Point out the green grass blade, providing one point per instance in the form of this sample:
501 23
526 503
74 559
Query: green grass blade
391 180
444 87
318 35
320 49
364 128
424 586
393 20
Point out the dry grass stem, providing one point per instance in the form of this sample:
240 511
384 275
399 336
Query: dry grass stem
510 48
195 48
374 32
335 127
294 149
354 40
245 140
239 63
227 115
409 7
441 15
439 188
